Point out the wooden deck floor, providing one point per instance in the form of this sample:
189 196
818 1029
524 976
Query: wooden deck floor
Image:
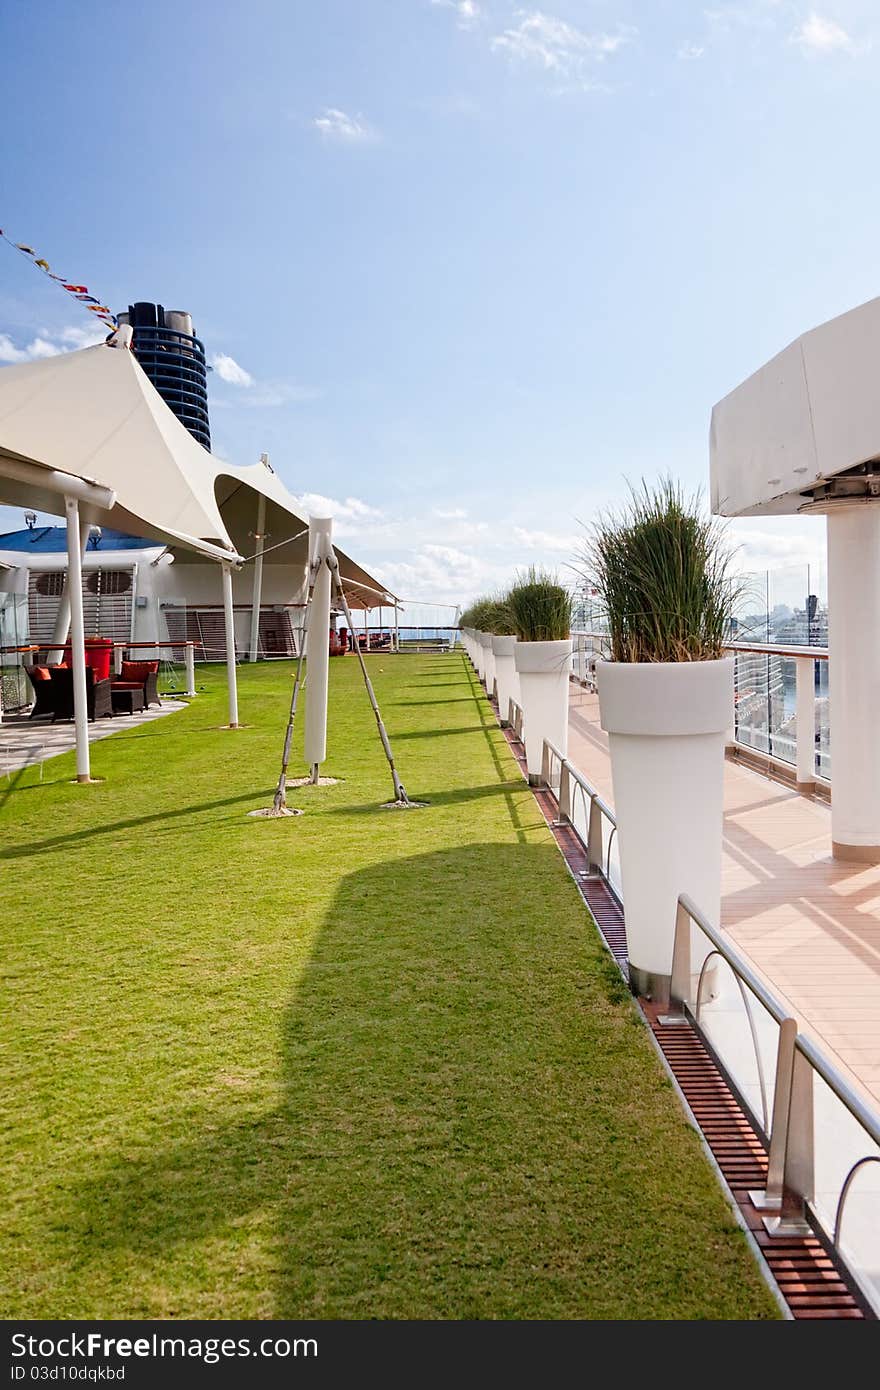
809 923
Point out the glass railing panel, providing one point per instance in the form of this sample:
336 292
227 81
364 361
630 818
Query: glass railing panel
781 679
752 700
822 720
839 1142
611 856
743 1035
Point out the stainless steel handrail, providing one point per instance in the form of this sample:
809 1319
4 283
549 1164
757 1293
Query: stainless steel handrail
762 1080
790 1180
775 649
789 1132
595 809
755 648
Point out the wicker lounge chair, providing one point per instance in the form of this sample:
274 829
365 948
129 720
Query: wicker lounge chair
97 694
40 678
143 673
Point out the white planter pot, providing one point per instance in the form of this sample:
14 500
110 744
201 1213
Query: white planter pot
489 659
666 724
505 674
543 669
487 665
478 654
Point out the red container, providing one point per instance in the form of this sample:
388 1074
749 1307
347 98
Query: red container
99 655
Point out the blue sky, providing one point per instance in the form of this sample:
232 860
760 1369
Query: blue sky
463 265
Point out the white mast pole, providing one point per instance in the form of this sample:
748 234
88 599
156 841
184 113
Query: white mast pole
77 638
61 630
229 622
318 655
254 652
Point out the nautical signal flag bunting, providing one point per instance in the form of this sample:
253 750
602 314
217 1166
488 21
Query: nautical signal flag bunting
77 292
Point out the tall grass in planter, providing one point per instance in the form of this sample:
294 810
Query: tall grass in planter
502 672
540 610
662 570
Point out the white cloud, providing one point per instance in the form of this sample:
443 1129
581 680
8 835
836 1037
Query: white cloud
546 540
753 14
467 12
9 352
229 370
438 574
690 52
454 514
818 36
257 395
50 344
334 124
350 510
777 551
557 46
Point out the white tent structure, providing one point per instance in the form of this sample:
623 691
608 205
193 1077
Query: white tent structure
87 433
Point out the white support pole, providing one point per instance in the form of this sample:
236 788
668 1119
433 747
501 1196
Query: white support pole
61 630
366 630
854 679
254 651
77 637
117 659
318 669
229 620
805 722
396 627
190 651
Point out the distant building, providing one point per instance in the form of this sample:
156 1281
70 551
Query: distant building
174 359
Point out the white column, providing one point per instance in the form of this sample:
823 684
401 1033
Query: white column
75 530
318 670
61 630
805 722
854 679
258 580
396 627
366 631
190 652
229 620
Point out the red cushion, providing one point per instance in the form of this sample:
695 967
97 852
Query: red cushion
40 673
138 670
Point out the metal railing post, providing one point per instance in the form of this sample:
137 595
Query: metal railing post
680 982
805 723
798 1169
770 1199
594 838
564 803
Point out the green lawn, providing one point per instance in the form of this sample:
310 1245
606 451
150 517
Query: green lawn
360 1064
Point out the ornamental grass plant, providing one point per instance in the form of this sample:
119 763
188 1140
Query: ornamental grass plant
662 570
539 607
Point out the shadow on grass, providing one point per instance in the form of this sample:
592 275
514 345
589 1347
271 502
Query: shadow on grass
155 820
441 700
449 1138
